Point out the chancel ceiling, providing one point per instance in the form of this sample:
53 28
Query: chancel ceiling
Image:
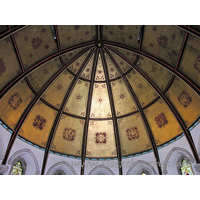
99 91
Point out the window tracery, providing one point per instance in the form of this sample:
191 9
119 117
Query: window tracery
186 168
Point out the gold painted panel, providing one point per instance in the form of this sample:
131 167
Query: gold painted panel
9 65
88 69
162 122
58 89
158 74
101 139
100 107
144 92
75 66
123 100
77 101
163 42
124 34
72 35
128 54
35 43
112 70
42 75
14 103
185 100
37 126
133 135
100 76
190 61
69 135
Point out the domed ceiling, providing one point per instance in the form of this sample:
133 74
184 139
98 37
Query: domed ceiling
99 91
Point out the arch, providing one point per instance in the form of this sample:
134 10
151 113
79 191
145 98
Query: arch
142 167
1 147
183 153
58 167
97 170
21 153
22 162
59 172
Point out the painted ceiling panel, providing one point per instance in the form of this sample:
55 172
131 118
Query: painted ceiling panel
158 74
3 28
185 100
57 90
73 35
14 103
162 122
79 96
35 43
144 92
101 139
38 124
133 135
69 135
163 42
122 34
190 62
88 69
123 100
43 74
100 76
100 107
9 65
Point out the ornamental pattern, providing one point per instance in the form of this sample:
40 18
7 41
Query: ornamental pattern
162 41
184 99
36 42
100 138
39 122
197 64
69 134
14 101
2 66
132 133
161 120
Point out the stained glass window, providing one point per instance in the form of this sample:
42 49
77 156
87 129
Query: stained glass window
17 169
144 173
186 168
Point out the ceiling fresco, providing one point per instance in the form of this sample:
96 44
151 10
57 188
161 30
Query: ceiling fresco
99 92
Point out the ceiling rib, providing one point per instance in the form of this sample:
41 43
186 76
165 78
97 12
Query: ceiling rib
171 107
42 62
160 62
28 109
88 109
189 30
11 31
62 107
150 134
114 118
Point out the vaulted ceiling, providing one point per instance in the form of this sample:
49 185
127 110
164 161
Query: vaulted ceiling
99 91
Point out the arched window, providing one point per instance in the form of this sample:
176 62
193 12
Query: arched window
59 172
17 169
186 168
144 173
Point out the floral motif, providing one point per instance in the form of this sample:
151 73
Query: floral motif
196 64
132 133
162 41
15 101
2 66
36 42
184 99
101 138
161 120
69 134
39 122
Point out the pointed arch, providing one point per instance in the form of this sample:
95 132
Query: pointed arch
100 170
141 166
21 154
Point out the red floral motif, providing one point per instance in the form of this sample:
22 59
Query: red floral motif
184 99
36 42
15 101
196 64
161 120
132 133
39 122
162 41
101 138
69 134
76 27
2 67
121 27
